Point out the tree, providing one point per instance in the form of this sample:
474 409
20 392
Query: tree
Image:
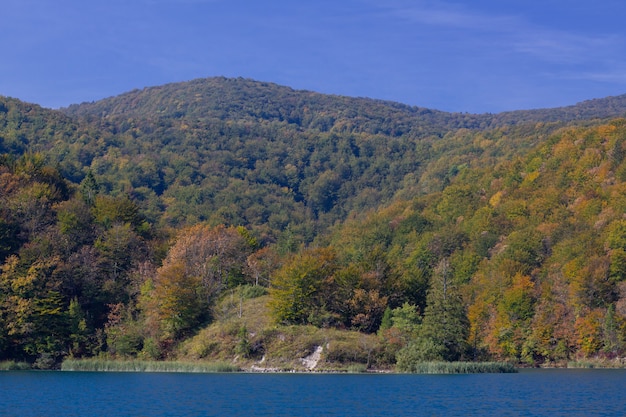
445 321
9 242
109 211
260 264
298 288
179 299
323 192
89 189
33 311
215 255
118 247
368 307
514 312
75 224
202 263
78 331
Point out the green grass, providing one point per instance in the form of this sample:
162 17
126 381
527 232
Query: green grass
14 366
462 367
358 368
596 363
103 365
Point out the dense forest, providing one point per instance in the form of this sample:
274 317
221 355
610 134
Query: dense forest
229 219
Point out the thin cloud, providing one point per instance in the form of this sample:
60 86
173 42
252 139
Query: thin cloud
611 76
564 47
509 32
455 17
178 2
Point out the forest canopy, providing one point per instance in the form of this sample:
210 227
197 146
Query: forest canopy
126 224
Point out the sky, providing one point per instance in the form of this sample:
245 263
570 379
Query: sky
463 56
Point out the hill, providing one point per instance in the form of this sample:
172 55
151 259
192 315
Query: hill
228 98
130 224
241 152
229 149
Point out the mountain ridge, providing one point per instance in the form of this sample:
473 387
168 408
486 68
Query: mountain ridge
248 89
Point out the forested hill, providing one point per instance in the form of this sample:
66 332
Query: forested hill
252 101
244 99
242 152
238 151
586 110
154 225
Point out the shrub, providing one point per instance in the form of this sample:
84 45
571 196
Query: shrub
417 352
14 366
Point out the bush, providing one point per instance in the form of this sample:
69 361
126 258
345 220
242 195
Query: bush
14 366
252 291
345 351
150 350
416 352
243 347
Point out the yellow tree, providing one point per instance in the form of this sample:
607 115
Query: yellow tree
179 303
300 289
202 262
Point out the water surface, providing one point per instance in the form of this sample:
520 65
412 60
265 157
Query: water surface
529 393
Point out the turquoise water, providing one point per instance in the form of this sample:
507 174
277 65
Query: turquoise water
529 393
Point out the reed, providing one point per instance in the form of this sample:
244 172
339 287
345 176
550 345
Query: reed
105 365
357 368
14 366
617 363
462 367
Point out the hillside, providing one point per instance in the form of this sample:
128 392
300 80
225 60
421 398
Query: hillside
290 157
152 224
241 152
520 261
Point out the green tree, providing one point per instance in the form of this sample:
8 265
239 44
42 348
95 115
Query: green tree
445 320
78 331
89 189
118 247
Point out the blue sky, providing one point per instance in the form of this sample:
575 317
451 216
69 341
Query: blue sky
472 56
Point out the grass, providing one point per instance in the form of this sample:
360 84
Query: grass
357 368
463 367
104 365
273 345
14 366
596 363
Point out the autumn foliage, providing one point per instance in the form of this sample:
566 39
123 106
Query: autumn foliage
468 238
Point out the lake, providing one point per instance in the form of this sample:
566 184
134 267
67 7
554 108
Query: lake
553 392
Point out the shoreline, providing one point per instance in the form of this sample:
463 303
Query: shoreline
116 365
96 365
